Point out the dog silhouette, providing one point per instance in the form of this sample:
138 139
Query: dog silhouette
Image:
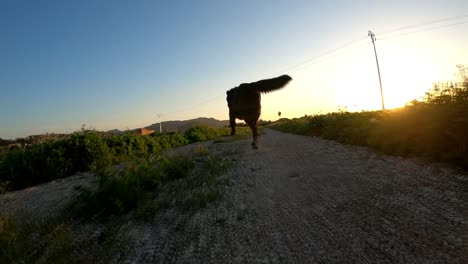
244 102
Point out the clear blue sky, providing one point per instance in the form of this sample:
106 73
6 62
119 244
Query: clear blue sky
117 64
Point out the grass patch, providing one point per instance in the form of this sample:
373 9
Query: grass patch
32 239
88 228
242 132
123 189
153 183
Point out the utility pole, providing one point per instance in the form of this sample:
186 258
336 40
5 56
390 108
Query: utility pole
160 126
372 35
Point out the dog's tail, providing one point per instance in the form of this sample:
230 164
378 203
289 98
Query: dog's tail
269 85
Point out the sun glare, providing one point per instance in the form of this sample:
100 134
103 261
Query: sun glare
406 72
409 73
349 80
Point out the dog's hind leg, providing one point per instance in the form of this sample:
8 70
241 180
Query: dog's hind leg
253 126
232 124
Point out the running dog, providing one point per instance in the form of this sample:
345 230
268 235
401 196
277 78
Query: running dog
244 102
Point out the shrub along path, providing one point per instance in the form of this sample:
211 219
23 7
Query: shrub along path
307 200
48 198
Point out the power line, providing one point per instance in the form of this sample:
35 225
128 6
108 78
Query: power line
421 24
307 62
288 69
329 52
326 53
301 64
426 29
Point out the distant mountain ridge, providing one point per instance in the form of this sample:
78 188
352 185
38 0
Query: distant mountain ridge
181 125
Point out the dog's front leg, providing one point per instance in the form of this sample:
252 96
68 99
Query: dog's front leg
253 126
232 124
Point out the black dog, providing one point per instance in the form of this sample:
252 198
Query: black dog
244 102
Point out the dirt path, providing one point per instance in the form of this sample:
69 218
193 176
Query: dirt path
308 200
44 199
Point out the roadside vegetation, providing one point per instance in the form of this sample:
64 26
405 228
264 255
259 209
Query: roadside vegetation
434 127
91 227
87 149
135 182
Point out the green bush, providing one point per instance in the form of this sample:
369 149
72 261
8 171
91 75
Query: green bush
201 133
178 140
122 190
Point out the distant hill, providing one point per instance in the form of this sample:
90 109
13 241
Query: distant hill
180 125
115 132
172 126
